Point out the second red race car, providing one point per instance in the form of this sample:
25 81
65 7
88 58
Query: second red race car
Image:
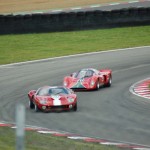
88 79
52 98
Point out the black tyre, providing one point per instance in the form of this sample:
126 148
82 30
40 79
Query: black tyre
97 85
109 82
75 107
36 108
31 105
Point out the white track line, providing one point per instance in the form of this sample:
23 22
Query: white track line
76 55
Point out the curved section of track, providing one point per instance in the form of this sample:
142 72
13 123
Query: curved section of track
110 113
141 88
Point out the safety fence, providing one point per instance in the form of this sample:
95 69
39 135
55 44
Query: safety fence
67 21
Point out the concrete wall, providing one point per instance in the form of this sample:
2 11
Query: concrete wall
34 23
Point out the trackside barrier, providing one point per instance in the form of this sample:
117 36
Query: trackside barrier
67 21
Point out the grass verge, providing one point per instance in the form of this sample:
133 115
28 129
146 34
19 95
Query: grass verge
25 47
37 141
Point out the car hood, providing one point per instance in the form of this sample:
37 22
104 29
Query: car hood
53 97
55 100
80 82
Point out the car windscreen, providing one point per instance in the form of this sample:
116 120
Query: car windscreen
55 91
52 91
84 74
43 92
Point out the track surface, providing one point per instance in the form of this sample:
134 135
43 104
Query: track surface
112 6
20 7
110 113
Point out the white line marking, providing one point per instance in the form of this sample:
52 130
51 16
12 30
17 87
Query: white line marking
50 132
39 12
133 2
77 137
59 10
76 55
76 8
94 6
111 143
114 4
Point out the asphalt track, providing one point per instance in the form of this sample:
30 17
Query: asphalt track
104 7
112 6
110 113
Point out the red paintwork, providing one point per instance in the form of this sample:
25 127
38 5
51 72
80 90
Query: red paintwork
50 101
102 76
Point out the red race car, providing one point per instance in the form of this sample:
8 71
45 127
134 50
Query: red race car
88 79
50 98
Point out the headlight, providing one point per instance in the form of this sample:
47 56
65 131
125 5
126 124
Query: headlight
92 83
43 102
70 100
65 83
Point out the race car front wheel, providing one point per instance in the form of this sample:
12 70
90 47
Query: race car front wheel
97 85
31 105
36 108
75 107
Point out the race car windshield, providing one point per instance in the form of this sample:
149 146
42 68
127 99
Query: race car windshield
84 74
52 91
55 91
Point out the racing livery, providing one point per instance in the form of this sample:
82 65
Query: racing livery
51 98
88 79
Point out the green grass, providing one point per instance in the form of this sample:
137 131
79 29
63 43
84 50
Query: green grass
24 47
37 141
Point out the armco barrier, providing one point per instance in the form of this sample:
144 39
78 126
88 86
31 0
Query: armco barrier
66 21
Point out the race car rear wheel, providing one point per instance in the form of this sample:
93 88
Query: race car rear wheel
75 107
109 82
31 105
36 108
97 85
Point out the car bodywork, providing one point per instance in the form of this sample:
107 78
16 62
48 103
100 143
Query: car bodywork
49 98
88 79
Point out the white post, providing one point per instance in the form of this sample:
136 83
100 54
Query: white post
20 127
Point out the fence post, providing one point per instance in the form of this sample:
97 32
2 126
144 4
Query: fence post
20 125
